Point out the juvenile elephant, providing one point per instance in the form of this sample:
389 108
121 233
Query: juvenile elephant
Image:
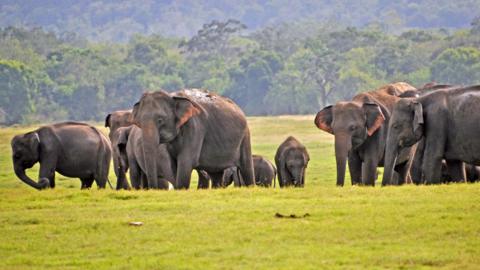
472 173
360 129
70 148
129 145
446 120
187 122
114 121
291 160
265 171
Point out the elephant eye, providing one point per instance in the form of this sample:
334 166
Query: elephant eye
160 121
17 156
352 128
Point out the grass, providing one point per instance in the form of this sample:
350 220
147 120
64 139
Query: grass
406 227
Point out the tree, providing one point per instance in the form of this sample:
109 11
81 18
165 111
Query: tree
457 66
16 90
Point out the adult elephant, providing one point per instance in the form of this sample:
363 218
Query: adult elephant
291 159
360 129
114 121
128 142
446 120
70 148
188 122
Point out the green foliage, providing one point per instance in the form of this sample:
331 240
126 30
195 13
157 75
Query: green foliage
294 68
16 90
457 66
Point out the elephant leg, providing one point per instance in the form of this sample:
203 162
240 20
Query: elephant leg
87 182
355 168
47 170
143 180
246 162
203 181
369 170
402 170
135 174
432 165
456 170
217 179
184 171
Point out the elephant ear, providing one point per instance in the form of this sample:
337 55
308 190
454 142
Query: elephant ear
135 113
375 117
123 137
33 141
324 119
417 116
185 109
107 120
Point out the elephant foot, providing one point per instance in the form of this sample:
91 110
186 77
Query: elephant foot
44 183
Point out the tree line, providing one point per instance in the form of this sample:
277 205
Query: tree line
292 68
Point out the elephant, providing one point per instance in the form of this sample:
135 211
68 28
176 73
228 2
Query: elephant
445 120
265 172
70 148
472 173
114 121
426 89
187 122
291 159
360 129
129 145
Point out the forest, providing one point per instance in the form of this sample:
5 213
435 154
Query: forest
288 68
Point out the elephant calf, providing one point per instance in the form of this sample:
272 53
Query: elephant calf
264 171
70 148
291 160
128 143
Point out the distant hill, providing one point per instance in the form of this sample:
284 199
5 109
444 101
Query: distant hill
117 20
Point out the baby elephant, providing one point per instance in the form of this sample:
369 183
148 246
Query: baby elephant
128 143
70 148
264 170
291 160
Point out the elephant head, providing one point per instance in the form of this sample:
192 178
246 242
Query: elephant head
404 130
161 116
351 123
25 153
296 161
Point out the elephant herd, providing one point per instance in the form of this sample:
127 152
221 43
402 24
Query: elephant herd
159 142
428 135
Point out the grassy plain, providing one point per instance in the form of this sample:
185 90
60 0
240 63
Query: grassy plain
406 227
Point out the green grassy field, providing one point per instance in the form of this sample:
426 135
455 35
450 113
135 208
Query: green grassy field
406 227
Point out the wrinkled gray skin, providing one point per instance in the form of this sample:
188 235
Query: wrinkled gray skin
114 121
360 128
129 145
446 119
291 160
72 149
188 122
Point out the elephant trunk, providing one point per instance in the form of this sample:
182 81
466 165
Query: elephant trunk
150 149
391 154
343 145
20 172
